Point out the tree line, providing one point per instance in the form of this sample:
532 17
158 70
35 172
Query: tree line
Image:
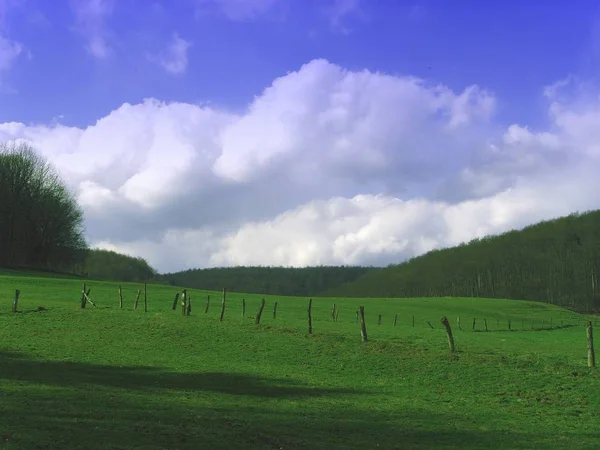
41 224
305 281
556 261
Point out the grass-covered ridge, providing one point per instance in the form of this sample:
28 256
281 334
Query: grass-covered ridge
109 378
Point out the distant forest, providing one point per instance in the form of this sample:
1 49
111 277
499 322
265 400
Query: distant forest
556 261
304 281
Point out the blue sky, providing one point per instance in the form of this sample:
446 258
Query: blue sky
200 133
512 48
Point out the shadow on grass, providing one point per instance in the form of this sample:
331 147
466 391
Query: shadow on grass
62 373
98 419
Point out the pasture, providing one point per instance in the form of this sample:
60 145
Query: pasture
109 378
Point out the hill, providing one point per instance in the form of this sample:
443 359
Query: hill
556 261
109 265
304 281
104 377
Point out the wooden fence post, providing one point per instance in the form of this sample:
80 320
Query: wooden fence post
590 345
474 324
333 313
137 299
275 311
16 300
145 298
337 314
413 321
120 298
379 320
223 305
485 324
395 319
508 324
363 326
183 302
243 307
175 301
260 311
207 304
188 309
309 316
448 333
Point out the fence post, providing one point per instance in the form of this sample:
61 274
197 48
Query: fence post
137 299
363 326
379 320
309 316
175 301
83 301
275 311
474 319
120 298
395 319
223 305
145 298
458 323
183 302
243 307
207 304
260 311
590 344
448 333
16 300
188 309
333 313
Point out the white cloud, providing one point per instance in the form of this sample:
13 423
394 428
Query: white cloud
339 10
9 52
90 21
325 166
175 58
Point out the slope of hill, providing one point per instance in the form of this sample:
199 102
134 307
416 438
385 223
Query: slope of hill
556 261
267 280
109 377
109 265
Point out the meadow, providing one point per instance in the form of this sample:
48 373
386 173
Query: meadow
109 378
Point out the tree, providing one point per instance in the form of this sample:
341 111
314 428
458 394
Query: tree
41 224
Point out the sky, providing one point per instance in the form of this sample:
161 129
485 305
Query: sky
203 133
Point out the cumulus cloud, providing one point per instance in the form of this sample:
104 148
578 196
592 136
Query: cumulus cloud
326 166
90 21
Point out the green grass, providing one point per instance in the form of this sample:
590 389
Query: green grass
109 378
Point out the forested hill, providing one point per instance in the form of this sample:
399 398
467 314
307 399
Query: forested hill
304 281
557 261
109 265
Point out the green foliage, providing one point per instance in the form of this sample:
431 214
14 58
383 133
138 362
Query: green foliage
557 261
112 378
109 265
41 225
267 280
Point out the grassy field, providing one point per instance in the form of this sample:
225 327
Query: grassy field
110 378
